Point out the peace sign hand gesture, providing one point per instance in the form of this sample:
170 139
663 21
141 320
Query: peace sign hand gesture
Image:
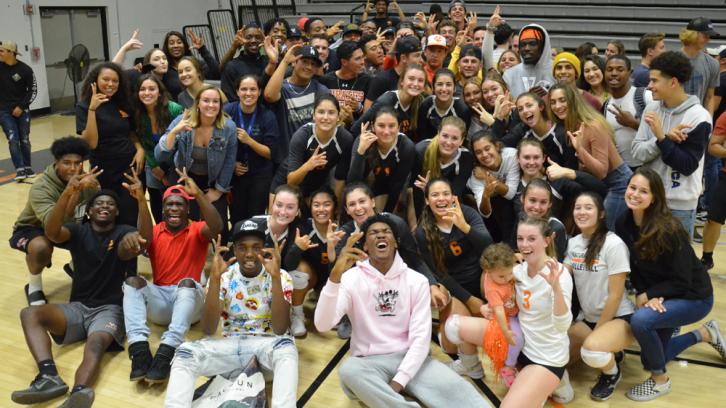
484 116
188 183
317 160
134 186
197 42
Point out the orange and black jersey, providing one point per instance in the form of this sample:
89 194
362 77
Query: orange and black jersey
316 257
405 116
461 255
288 236
389 170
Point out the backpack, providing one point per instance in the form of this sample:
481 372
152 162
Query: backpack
638 102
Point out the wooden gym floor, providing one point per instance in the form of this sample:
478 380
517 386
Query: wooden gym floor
697 381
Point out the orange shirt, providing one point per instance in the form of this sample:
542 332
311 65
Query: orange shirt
178 256
500 295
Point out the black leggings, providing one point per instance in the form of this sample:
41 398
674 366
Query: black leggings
249 196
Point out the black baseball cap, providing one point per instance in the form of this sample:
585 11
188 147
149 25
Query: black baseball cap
407 45
703 25
294 32
247 227
352 28
307 51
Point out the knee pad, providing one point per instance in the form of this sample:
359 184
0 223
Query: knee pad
595 359
299 279
451 329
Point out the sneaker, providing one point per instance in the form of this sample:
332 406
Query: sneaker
701 218
43 388
564 393
344 328
648 390
605 385
717 340
82 398
140 356
708 264
297 325
161 365
20 175
508 374
475 372
697 237
29 173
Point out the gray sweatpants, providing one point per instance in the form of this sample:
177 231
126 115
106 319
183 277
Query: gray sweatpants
435 385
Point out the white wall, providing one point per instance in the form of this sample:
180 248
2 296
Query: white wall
153 17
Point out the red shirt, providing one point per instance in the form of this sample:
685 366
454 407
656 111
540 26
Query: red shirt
178 256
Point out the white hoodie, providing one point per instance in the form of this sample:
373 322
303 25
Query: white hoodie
522 77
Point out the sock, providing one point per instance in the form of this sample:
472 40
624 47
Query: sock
35 282
611 371
47 367
469 360
298 310
78 387
707 256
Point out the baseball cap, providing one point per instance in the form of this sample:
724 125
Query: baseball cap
294 33
176 190
308 51
407 45
436 40
9 46
352 28
703 25
454 3
247 227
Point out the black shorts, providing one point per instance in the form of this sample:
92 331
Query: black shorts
23 235
717 206
523 361
623 317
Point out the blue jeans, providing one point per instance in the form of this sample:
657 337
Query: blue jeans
17 130
276 355
617 182
687 218
164 305
653 330
711 167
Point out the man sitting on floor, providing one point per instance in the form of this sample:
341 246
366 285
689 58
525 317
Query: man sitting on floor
177 250
252 295
389 306
102 254
28 235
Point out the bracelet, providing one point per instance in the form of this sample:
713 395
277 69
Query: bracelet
91 110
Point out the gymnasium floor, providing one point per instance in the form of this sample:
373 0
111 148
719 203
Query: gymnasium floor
697 382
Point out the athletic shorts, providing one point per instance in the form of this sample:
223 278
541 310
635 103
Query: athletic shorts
717 206
23 235
82 321
524 361
624 317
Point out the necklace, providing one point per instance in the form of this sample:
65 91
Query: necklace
296 93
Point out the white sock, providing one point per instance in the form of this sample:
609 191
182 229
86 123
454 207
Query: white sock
469 360
35 282
298 310
612 371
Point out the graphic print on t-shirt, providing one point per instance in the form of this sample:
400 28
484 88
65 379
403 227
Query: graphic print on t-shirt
386 302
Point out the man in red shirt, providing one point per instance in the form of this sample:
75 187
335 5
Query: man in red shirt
177 251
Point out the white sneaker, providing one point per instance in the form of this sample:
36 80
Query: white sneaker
564 392
297 325
475 372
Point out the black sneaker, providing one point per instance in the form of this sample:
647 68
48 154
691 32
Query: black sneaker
43 388
82 398
140 356
29 173
708 264
605 385
20 175
161 366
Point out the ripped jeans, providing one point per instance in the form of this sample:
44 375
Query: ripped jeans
276 355
17 130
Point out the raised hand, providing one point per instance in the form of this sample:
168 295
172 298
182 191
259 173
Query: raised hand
553 277
655 125
332 235
455 215
197 42
290 56
187 182
349 255
556 172
239 38
624 118
133 43
219 265
678 134
370 7
317 160
471 22
503 106
90 179
575 136
243 136
304 242
496 19
97 98
270 258
484 116
134 185
183 125
272 49
421 181
367 138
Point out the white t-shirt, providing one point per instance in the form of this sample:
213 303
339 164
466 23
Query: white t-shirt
545 335
592 285
508 173
624 135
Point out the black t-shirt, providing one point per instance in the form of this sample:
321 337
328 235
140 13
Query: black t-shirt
429 118
98 271
115 150
302 147
352 91
385 22
384 81
18 86
316 257
405 116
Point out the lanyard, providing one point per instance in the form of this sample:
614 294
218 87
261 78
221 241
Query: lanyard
251 123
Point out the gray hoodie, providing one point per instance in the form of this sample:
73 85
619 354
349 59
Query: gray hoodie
680 165
522 77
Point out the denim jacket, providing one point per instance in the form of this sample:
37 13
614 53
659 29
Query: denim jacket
221 152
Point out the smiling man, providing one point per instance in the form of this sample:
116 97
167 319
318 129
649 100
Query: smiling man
389 308
249 61
177 250
534 74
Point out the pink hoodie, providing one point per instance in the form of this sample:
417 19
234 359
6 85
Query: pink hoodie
389 313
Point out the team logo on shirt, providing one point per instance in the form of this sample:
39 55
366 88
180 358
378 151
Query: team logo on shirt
387 302
110 246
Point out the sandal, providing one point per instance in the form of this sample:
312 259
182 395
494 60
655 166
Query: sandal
36 296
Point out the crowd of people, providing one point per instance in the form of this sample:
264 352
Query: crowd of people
541 203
